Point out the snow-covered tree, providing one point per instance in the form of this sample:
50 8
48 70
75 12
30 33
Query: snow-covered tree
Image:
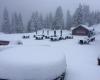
20 27
13 24
78 16
68 20
86 14
97 17
17 23
34 23
58 19
29 26
94 18
6 27
50 16
48 21
41 22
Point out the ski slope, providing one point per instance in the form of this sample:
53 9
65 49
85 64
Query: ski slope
81 59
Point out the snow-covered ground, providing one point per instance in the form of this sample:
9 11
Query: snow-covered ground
81 59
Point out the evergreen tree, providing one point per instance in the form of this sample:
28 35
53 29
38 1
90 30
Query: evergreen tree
50 16
17 24
69 20
91 19
97 17
46 22
20 27
78 16
41 21
86 14
58 20
34 23
6 28
29 26
13 24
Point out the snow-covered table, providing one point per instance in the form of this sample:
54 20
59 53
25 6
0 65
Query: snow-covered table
31 63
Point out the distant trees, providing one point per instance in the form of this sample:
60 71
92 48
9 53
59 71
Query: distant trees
50 16
20 28
41 22
6 27
82 15
78 16
34 23
86 14
13 23
68 20
58 22
17 23
46 22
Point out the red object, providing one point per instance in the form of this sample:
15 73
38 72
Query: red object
4 42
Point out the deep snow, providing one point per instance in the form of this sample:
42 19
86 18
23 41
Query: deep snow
31 63
81 59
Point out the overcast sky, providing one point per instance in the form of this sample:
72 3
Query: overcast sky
26 7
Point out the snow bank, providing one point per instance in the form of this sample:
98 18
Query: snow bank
31 63
97 28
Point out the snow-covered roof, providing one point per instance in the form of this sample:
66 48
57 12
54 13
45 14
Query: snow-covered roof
36 63
85 26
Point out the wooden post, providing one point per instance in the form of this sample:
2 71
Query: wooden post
36 32
47 32
54 32
42 32
61 33
99 61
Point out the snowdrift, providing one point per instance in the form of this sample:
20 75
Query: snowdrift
31 63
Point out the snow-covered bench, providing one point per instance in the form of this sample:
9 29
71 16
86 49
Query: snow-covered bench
69 37
26 37
39 37
47 37
54 38
84 41
63 37
91 39
87 40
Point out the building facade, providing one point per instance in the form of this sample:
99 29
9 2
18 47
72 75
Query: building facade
82 30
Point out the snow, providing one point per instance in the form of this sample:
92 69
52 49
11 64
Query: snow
97 28
31 62
81 59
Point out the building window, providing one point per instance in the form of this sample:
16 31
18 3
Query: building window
80 32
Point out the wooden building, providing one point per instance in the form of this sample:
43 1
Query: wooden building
82 30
